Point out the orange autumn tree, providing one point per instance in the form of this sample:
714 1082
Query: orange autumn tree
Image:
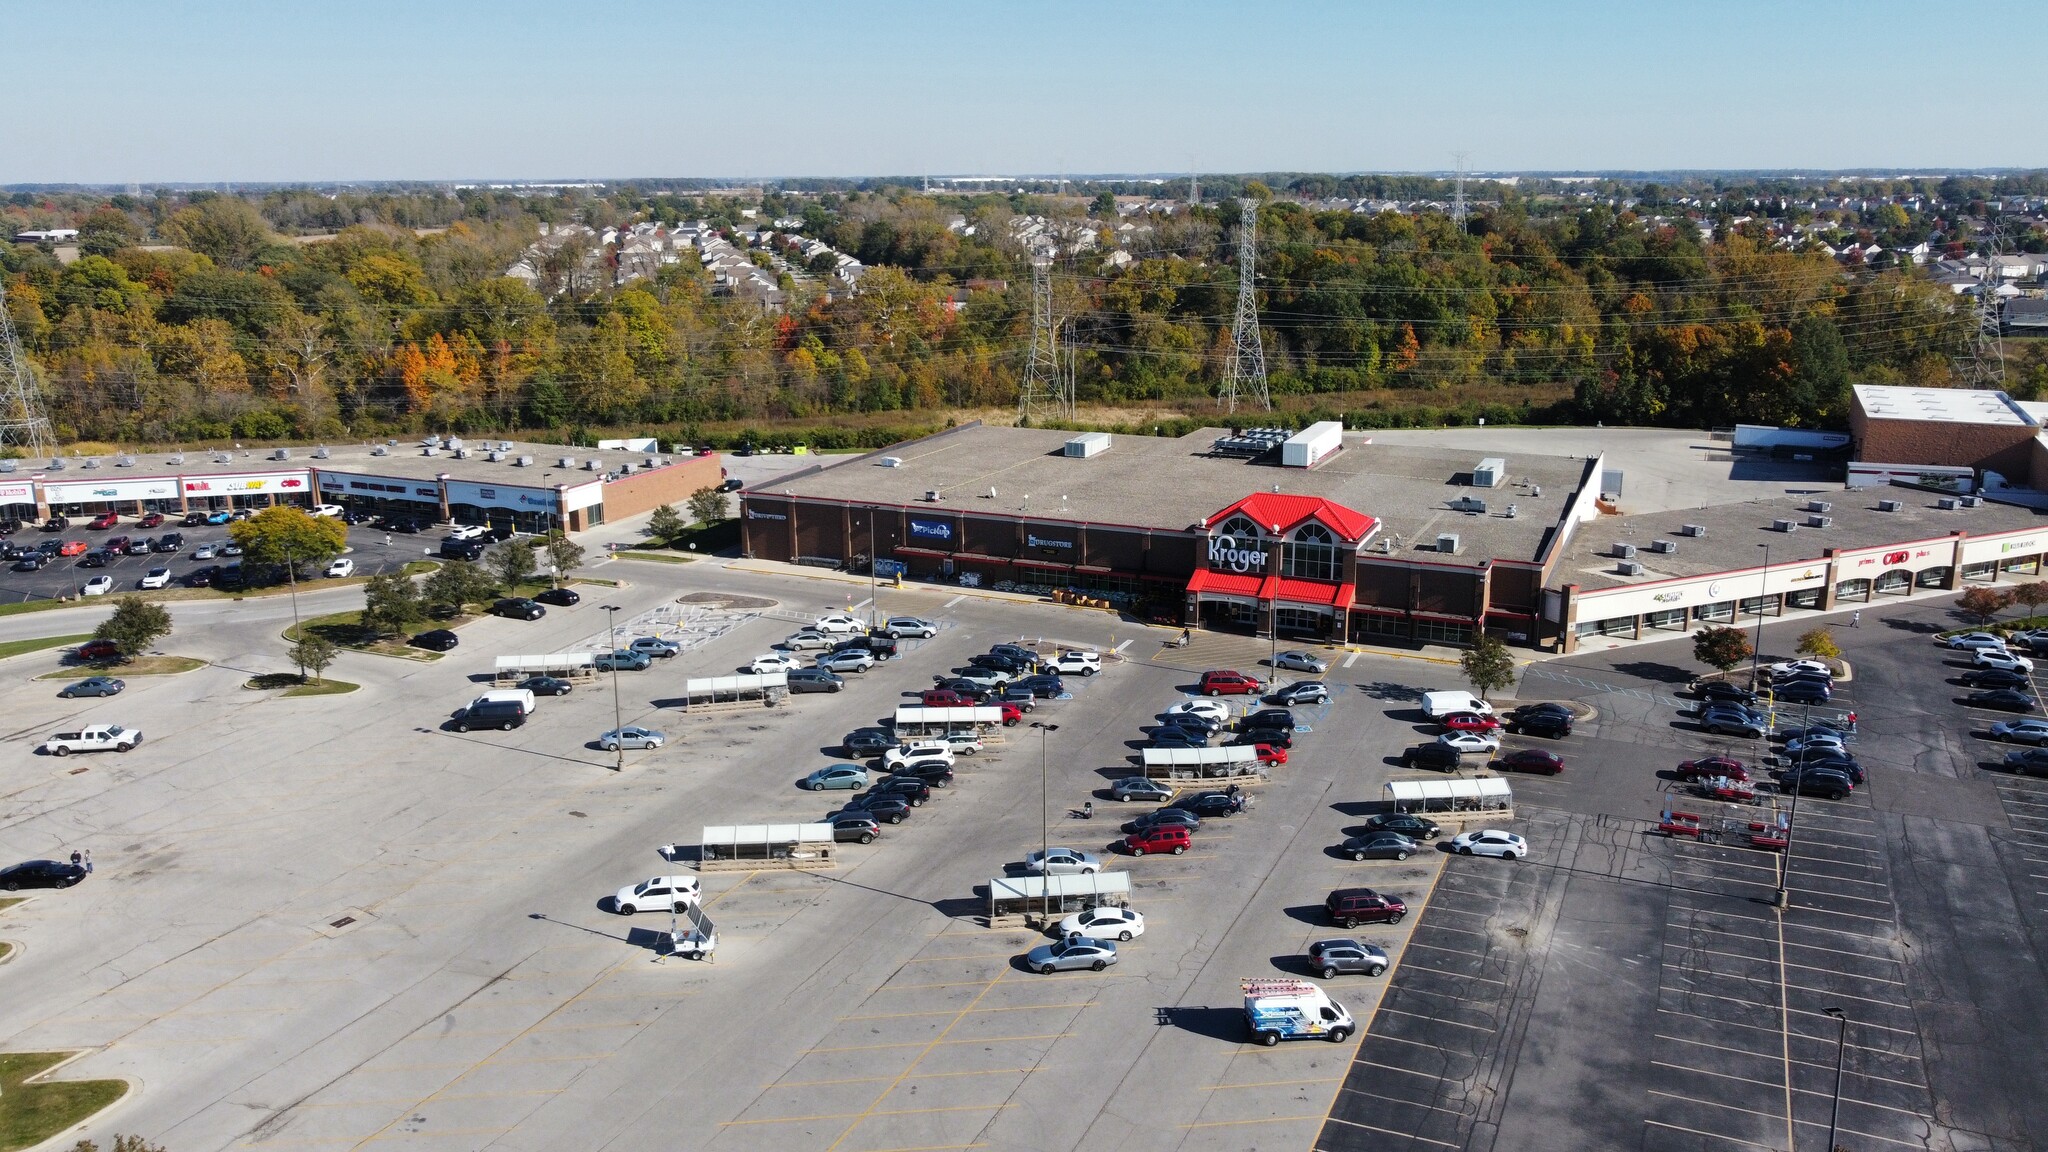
443 377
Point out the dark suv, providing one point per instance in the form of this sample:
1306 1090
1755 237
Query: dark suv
1354 906
855 828
868 742
1441 757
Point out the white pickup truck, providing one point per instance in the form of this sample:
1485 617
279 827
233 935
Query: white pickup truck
98 738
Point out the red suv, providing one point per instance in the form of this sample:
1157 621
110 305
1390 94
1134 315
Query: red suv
1160 838
944 698
104 521
98 650
151 520
1228 684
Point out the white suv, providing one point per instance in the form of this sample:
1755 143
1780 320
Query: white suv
919 750
467 532
663 893
1073 663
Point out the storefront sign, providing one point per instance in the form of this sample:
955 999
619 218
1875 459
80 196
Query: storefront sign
87 491
1668 597
246 485
2028 545
921 529
498 495
757 514
22 493
1044 542
1224 553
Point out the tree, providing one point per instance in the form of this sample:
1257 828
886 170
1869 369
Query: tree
1721 648
107 231
456 585
1819 643
134 626
2032 594
286 535
707 505
666 524
313 653
1983 603
228 229
392 603
512 561
564 554
1488 665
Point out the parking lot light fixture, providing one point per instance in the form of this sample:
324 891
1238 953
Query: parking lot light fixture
1044 824
1841 1046
618 717
1756 650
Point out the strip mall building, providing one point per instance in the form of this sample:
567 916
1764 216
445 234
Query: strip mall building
1328 536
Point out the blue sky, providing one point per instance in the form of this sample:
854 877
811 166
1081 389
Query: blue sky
149 90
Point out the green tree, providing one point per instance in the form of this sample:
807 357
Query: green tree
225 228
511 561
1984 603
107 231
708 505
1104 207
134 625
1488 665
1819 643
392 603
563 555
287 535
313 653
456 585
1721 648
666 524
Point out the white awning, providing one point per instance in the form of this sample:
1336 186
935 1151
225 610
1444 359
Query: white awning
732 685
1410 791
925 717
762 835
1192 757
546 663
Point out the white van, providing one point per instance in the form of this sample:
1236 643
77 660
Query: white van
1437 705
520 696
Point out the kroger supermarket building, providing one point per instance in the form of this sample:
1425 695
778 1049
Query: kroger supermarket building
532 487
1326 535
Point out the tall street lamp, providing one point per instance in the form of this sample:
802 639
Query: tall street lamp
618 717
1044 824
1273 632
1792 823
1841 1046
874 587
1756 650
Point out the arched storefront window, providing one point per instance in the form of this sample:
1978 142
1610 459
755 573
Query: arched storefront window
1241 529
1311 555
1932 577
1896 582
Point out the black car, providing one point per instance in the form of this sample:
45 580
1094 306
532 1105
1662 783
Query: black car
1833 762
500 532
1406 823
1550 706
1042 684
931 770
855 828
546 686
50 548
565 597
170 542
2002 700
1301 692
967 688
231 578
1168 736
1277 737
813 680
880 805
1723 690
868 742
1014 652
471 550
201 577
438 640
93 560
1001 663
193 519
1441 757
910 788
408 524
1549 725
1266 718
57 524
2027 762
1191 722
1164 817
518 608
1379 846
40 874
1212 803
33 562
1824 782
1994 678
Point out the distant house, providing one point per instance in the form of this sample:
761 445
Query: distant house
49 235
2028 317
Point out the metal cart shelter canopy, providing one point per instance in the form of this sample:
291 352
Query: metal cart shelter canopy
747 686
1184 763
574 665
752 845
1488 794
1012 897
910 720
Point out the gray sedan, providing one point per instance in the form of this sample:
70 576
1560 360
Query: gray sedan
1140 788
1069 954
631 736
94 686
1302 662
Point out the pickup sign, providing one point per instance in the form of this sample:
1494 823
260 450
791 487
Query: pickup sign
98 738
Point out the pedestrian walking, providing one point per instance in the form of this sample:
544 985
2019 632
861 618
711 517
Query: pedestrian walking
387 539
1856 618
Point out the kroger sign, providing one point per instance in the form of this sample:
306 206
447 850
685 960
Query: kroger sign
1224 553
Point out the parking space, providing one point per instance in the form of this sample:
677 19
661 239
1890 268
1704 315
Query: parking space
373 551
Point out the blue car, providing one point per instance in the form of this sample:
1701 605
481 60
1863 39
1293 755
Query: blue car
220 517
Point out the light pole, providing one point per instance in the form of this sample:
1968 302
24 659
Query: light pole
1273 632
618 719
1044 824
1841 1047
1756 650
874 587
1791 823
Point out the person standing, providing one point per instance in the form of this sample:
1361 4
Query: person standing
75 858
88 861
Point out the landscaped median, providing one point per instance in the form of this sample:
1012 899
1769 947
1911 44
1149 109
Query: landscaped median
346 630
297 685
140 666
33 1109
39 643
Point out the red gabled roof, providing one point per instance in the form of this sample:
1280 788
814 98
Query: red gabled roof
1227 583
1290 512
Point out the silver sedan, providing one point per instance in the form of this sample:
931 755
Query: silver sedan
1302 662
1070 953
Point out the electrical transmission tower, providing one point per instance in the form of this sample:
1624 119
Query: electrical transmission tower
1048 389
1246 372
1458 201
22 423
1988 368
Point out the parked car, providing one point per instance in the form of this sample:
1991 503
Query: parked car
887 808
1809 730
850 661
1140 788
1189 722
1226 683
193 519
1802 693
655 647
1059 861
1379 846
661 894
1351 907
343 566
1484 742
40 874
929 769
503 715
92 686
1015 652
219 517
909 789
1276 719
966 689
1707 767
773 662
1802 744
1740 724
1302 692
437 640
1174 817
620 659
839 623
1168 736
1104 923
1042 684
139 546
93 738
814 680
1989 678
78 548
1076 663
518 608
837 776
868 742
1441 757
205 552
2002 700
546 686
920 750
2000 658
2027 762
93 650
987 679
808 638
327 510
1330 958
1002 663
1791 667
945 698
154 578
92 559
1470 722
898 627
1298 661
1215 710
1406 823
855 828
1829 783
104 521
1171 838
631 736
201 577
1533 760
97 586
1546 724
562 597
2029 731
1490 842
1967 641
1723 690
1068 953
466 532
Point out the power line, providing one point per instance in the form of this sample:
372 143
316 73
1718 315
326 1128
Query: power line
1247 369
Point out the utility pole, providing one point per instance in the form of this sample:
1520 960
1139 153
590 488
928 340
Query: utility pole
1989 366
1841 1049
618 714
1458 200
23 423
1246 372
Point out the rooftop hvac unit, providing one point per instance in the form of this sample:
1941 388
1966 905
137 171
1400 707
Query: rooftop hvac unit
56 464
1889 505
455 443
931 495
494 456
91 462
1629 568
654 461
1625 551
6 465
591 465
281 454
625 467
463 453
566 462
1088 444
1694 530
380 450
320 453
178 458
1819 506
1820 521
1447 543
431 450
1469 504
124 461
1972 501
1946 503
1784 526
431 442
223 458
1665 546
1491 472
524 462
504 445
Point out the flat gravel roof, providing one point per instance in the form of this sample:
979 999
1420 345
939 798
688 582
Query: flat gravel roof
405 460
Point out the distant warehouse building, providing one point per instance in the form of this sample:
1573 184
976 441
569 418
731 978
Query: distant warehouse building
533 488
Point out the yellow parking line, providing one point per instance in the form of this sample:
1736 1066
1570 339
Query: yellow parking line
1262 1120
877 1079
921 1043
961 1011
857 1116
912 1066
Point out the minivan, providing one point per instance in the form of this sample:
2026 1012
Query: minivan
520 696
1159 838
504 715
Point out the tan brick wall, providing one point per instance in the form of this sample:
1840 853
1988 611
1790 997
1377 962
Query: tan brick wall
670 484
